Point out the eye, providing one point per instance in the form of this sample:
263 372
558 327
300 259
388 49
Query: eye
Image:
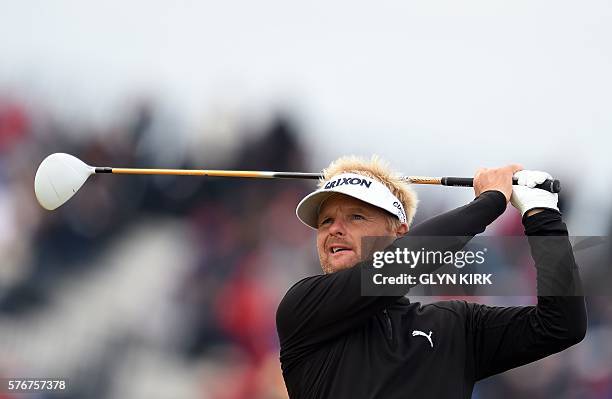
325 221
357 216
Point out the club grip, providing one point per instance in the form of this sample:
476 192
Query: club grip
553 186
550 185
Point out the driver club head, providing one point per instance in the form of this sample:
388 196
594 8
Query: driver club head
58 178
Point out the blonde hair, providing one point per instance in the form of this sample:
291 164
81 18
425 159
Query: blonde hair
375 168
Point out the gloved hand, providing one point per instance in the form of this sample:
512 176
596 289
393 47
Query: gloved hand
525 197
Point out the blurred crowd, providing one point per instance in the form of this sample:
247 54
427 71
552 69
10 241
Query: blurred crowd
197 307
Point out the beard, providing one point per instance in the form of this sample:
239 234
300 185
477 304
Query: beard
330 266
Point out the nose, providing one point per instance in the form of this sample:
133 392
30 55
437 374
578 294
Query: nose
337 228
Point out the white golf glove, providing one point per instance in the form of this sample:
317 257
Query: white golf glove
525 197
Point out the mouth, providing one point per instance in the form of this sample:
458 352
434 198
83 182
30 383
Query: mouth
339 249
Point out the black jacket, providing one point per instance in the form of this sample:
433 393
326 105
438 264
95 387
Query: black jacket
336 343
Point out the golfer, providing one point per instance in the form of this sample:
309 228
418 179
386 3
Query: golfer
337 343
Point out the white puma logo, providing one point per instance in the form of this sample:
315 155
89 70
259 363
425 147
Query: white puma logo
421 333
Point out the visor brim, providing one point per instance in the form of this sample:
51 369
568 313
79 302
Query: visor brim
308 208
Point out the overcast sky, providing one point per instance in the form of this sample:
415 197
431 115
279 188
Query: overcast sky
436 86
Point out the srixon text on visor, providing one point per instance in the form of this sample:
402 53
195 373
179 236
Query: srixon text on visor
355 181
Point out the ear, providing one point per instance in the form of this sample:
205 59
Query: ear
401 229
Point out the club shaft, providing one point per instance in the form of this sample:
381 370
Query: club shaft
553 186
187 172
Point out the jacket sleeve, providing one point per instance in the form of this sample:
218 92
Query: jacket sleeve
507 337
322 307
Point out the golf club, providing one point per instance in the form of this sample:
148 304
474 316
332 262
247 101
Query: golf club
61 175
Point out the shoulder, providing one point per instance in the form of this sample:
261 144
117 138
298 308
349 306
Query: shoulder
302 287
295 295
313 289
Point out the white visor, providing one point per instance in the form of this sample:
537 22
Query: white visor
357 186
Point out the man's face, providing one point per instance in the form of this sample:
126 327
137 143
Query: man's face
342 223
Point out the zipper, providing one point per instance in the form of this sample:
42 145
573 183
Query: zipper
389 327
